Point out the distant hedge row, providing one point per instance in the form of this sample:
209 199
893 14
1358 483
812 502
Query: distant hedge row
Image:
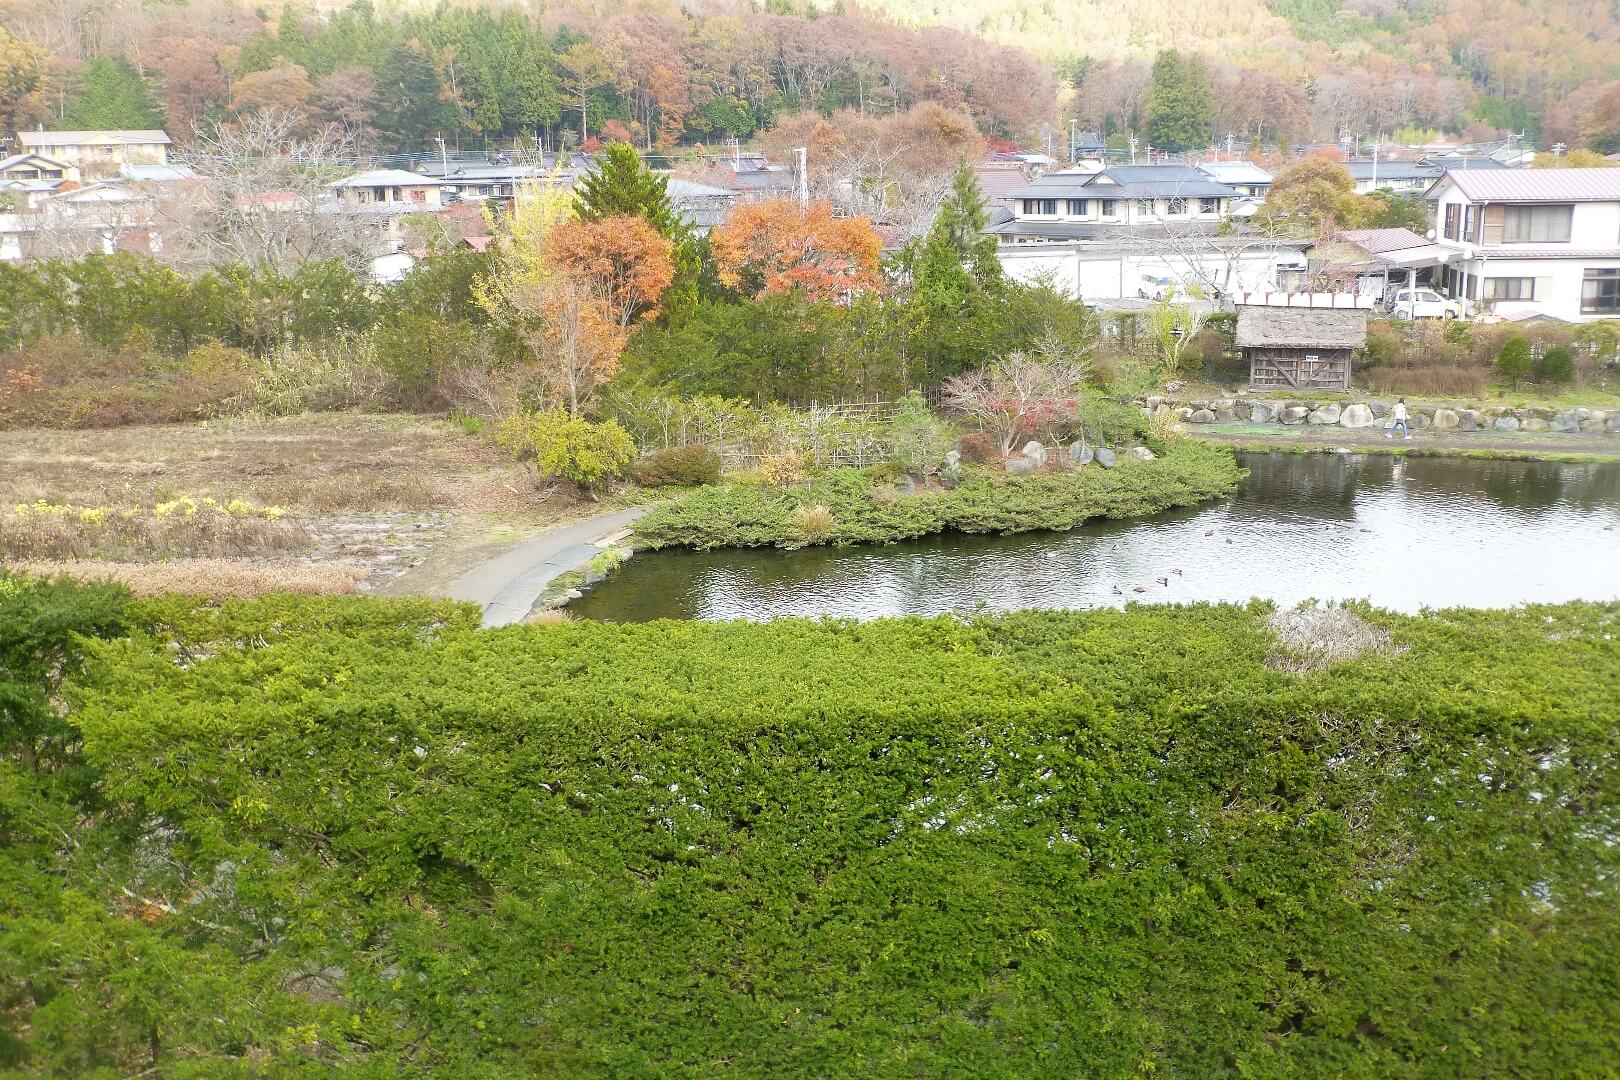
310 836
864 509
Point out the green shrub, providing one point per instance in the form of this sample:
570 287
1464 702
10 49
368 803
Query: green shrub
917 436
353 837
1513 361
860 509
1382 347
1557 365
692 465
564 447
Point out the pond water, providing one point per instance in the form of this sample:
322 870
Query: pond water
1404 533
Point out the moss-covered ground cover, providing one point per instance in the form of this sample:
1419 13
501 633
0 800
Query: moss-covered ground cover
312 837
863 509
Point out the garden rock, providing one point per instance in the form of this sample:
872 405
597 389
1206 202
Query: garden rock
1506 423
1593 426
1535 423
906 485
1357 416
1380 409
1566 422
1446 420
1035 452
1184 414
1017 464
953 459
1612 423
1261 413
1080 452
1105 457
1295 414
1202 416
1327 414
1467 420
1142 453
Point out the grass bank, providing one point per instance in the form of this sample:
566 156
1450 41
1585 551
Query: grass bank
847 506
1282 445
317 837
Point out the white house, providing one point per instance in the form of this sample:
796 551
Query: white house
1532 241
1221 266
98 153
395 189
1119 201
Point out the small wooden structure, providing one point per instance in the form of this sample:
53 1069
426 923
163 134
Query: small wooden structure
1299 348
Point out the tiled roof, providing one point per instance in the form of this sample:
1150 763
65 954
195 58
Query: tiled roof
386 178
1128 182
1235 172
1378 241
1537 185
83 138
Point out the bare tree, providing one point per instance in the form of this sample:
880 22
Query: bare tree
260 197
1021 394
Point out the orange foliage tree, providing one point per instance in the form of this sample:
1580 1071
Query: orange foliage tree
629 262
774 247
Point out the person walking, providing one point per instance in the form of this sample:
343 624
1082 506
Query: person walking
1397 418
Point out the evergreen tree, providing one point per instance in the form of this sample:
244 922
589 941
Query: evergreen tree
409 106
621 184
1180 105
114 97
961 222
1513 361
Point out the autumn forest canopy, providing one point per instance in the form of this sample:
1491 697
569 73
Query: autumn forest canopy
663 75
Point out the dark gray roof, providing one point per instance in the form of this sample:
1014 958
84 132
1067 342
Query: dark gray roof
1300 328
1393 170
1125 182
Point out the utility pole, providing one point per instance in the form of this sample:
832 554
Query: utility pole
804 176
1376 141
1074 146
444 158
1133 148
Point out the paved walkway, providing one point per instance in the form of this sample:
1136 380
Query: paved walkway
507 586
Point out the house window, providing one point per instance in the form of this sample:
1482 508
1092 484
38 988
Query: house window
1078 207
1175 207
1144 206
1600 292
1454 221
1040 206
1209 206
1537 224
1110 207
1510 288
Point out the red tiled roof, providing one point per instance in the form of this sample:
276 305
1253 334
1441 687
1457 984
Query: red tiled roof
1536 185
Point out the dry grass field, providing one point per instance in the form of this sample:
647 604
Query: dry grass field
318 502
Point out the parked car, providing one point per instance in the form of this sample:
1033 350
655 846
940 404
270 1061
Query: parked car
1423 304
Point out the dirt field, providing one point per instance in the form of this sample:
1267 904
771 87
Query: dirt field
407 503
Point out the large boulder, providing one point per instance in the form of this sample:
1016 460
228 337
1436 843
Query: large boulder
1295 414
1357 416
1035 452
953 459
1327 414
1535 423
1612 423
1105 457
1506 423
1184 414
1201 416
1018 464
1380 409
1467 420
1080 452
1142 453
1595 427
1262 413
1446 420
1565 421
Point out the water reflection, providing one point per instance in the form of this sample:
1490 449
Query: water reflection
1405 533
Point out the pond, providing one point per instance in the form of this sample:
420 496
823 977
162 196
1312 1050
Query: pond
1405 533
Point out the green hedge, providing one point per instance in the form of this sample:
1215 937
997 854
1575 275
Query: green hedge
350 836
754 514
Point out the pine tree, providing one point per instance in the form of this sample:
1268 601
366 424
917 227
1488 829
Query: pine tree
1180 105
409 106
961 221
114 97
621 184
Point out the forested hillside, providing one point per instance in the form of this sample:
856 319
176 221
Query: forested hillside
1324 65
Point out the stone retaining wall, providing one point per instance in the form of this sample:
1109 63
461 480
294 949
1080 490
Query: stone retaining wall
1306 412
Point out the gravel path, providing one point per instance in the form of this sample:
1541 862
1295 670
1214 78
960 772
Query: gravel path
507 586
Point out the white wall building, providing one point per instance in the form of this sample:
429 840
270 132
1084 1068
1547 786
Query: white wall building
1532 241
1102 271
